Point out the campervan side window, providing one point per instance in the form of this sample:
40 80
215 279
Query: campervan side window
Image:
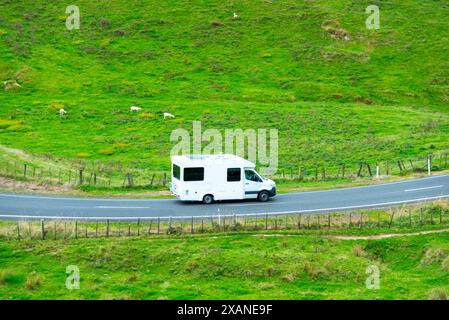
176 172
193 174
234 174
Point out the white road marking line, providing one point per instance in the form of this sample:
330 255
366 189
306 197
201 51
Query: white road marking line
253 204
381 204
424 188
112 207
82 199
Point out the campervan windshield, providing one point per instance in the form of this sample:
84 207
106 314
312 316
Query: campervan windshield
252 175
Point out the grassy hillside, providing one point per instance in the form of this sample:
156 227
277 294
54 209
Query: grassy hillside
231 267
381 95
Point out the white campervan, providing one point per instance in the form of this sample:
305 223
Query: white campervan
209 178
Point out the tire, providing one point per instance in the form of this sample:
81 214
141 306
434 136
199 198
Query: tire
208 199
263 196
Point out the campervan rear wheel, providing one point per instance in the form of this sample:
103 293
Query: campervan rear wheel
208 199
263 196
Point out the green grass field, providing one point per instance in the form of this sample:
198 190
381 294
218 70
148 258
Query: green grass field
382 95
283 259
242 266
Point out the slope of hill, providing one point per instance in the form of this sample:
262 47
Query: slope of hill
372 95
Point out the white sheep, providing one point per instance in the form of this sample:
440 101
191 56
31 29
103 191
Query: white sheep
236 15
62 112
8 84
133 108
168 115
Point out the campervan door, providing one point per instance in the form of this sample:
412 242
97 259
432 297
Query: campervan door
227 182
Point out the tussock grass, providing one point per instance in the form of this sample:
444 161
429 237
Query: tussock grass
438 294
33 281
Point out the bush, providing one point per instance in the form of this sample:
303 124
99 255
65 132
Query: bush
2 278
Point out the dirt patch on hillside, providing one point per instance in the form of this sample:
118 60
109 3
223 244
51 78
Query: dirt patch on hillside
14 185
372 237
390 235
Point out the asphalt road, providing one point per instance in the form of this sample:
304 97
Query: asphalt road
20 206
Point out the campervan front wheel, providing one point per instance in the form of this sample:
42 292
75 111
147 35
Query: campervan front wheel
208 199
263 196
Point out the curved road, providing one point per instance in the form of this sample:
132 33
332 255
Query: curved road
21 206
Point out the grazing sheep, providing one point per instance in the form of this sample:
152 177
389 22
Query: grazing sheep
62 112
11 84
168 115
236 15
133 108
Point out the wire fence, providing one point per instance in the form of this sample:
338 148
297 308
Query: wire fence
44 228
116 175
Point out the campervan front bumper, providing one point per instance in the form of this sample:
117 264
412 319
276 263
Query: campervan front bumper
272 192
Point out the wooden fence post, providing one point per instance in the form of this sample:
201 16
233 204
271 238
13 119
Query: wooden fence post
410 217
369 170
42 230
18 230
149 227
130 179
158 225
81 177
138 227
391 219
76 229
107 228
